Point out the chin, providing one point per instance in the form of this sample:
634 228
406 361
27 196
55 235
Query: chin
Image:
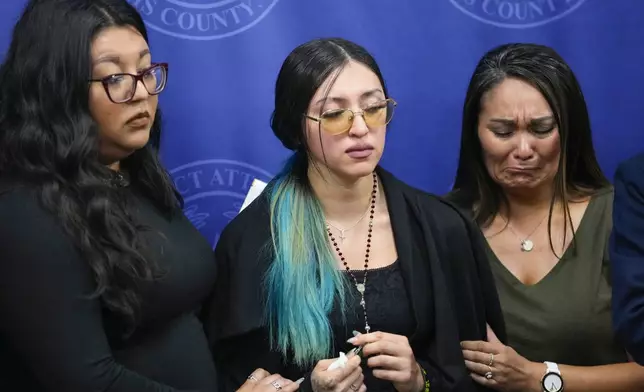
358 170
524 186
137 140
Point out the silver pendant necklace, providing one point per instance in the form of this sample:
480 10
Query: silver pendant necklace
361 287
526 243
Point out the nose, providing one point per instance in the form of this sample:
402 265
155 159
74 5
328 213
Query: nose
140 91
524 150
359 127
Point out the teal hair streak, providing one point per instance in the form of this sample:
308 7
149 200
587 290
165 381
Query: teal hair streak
303 281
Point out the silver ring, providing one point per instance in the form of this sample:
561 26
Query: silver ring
489 375
252 377
353 387
276 385
491 360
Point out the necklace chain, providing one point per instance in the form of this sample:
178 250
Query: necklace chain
526 243
342 231
361 287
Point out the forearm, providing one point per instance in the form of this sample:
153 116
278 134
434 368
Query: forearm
622 377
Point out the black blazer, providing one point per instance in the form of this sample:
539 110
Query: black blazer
444 267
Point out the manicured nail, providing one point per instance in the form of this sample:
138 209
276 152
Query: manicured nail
352 340
298 382
356 333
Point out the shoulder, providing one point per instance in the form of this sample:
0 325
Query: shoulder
31 236
628 201
597 214
631 171
252 225
438 207
20 207
434 209
446 213
604 196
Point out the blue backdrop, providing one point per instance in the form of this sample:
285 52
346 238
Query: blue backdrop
224 57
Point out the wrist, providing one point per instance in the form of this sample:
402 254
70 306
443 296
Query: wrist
422 382
536 370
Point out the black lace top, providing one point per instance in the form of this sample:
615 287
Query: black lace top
388 310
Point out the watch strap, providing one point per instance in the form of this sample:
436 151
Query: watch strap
552 367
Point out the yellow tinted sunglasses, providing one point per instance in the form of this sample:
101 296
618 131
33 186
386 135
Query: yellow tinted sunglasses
337 121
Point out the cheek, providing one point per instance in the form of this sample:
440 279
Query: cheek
550 152
321 144
379 138
153 101
104 112
494 150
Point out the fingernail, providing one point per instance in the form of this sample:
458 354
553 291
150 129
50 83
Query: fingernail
356 333
298 382
352 340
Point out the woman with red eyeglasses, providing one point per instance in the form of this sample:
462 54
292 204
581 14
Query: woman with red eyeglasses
101 275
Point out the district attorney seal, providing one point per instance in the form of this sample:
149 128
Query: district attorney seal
202 19
214 191
518 14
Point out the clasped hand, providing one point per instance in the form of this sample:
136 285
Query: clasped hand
348 378
262 381
500 367
391 358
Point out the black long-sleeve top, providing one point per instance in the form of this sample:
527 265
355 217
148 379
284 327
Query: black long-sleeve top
54 338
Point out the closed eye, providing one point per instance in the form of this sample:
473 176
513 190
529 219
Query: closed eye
542 128
114 79
331 114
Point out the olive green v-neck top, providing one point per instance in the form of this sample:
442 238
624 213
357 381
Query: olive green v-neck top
566 317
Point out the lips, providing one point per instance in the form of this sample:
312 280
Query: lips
521 169
139 120
359 147
360 151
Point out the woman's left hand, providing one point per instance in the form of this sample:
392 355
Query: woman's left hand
500 367
392 359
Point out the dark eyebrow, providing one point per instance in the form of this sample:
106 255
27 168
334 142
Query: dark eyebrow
513 123
505 121
364 95
117 60
540 120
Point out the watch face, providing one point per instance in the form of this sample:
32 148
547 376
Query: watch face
552 382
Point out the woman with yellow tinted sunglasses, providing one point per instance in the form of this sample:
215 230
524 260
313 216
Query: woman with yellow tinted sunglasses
336 244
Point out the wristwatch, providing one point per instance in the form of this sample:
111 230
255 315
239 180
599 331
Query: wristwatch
552 380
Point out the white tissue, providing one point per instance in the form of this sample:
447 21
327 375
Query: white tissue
341 362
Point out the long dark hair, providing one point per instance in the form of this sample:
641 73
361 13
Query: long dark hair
303 274
579 173
49 139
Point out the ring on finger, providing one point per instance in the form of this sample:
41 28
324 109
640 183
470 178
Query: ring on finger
489 375
491 360
252 377
353 387
276 385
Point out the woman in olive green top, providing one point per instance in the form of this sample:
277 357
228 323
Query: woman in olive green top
529 175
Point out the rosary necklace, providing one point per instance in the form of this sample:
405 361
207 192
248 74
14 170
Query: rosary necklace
361 287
